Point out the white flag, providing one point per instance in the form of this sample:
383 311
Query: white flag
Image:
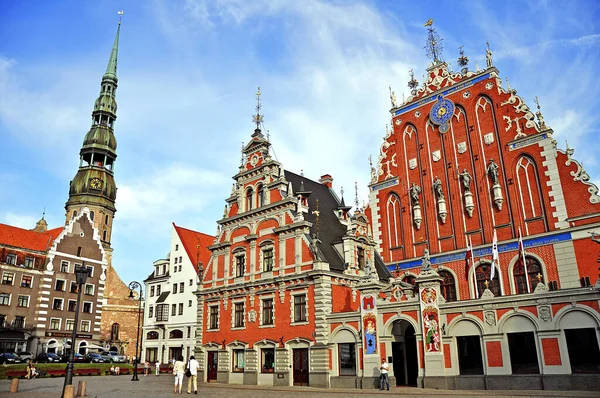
495 258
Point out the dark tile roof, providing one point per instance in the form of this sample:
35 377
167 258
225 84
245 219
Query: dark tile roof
163 296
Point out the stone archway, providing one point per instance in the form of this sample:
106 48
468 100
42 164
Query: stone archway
404 354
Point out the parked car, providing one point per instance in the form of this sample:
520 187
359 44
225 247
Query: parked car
48 357
93 357
25 355
9 357
77 357
112 356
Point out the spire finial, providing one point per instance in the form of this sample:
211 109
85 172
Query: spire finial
111 68
539 115
44 212
356 203
242 157
463 60
258 118
433 48
413 83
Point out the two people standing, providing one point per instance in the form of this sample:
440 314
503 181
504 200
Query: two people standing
191 371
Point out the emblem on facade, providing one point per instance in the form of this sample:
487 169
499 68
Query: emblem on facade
368 310
252 316
490 318
545 313
466 94
462 147
412 163
398 122
488 138
429 309
417 113
489 85
436 155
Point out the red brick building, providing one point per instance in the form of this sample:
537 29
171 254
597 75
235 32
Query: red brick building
471 267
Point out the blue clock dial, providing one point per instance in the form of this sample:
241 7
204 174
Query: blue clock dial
441 112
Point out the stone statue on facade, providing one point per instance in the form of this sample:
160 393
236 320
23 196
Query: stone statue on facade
314 247
414 192
466 179
437 187
488 56
492 171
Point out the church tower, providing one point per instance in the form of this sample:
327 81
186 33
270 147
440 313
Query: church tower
94 185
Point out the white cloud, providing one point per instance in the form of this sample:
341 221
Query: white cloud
25 221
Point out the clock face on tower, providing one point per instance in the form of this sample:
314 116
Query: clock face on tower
95 183
442 111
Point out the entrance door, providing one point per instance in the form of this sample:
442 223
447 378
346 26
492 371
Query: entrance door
175 352
213 360
301 367
404 354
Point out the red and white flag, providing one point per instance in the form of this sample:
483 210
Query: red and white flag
495 257
468 258
522 254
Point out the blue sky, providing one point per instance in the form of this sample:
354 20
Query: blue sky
188 71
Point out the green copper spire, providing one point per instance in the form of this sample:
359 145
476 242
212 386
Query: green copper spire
111 69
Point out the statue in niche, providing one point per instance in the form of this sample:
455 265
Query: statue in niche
492 171
314 247
414 192
488 56
437 187
466 179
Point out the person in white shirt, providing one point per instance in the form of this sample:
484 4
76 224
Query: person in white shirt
193 368
384 368
157 367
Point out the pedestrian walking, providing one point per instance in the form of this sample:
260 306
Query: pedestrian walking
146 367
157 367
192 374
384 368
178 372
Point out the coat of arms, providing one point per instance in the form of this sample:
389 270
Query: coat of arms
462 147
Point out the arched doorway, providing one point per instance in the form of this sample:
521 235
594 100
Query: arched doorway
404 354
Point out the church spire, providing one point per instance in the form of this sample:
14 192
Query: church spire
94 185
111 68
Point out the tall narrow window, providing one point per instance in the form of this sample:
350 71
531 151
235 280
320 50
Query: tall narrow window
448 287
114 332
267 360
533 270
238 361
300 308
214 317
268 260
261 196
249 197
267 312
393 222
240 262
238 321
360 257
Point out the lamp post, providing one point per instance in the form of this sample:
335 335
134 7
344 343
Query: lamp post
133 286
81 275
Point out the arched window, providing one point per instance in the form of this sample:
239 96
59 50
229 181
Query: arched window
482 274
533 270
447 286
92 215
393 221
114 332
261 196
176 334
249 195
83 348
152 335
74 213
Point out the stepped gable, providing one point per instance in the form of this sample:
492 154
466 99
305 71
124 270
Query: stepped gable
190 240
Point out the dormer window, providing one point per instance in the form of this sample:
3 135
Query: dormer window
249 197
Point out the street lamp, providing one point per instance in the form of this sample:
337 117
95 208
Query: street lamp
133 286
81 275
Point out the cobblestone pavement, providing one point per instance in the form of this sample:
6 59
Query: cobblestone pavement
162 386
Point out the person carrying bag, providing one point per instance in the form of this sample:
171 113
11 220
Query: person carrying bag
192 374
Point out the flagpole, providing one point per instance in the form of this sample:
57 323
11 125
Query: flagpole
475 269
522 252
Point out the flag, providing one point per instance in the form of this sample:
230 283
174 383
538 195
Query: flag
522 254
468 258
495 259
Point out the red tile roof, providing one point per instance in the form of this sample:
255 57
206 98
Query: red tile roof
27 239
190 240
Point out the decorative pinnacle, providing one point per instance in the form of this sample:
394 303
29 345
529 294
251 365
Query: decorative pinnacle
242 157
433 48
111 68
356 194
258 118
539 115
463 60
413 83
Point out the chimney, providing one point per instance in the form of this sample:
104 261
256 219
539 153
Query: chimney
326 179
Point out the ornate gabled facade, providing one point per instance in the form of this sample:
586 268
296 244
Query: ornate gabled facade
285 247
467 163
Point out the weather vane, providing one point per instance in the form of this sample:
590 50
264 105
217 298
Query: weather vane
463 60
433 48
120 15
258 118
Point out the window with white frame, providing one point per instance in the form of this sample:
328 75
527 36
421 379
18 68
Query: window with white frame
267 317
213 320
8 278
64 266
299 309
189 303
238 361
74 287
29 262
60 285
150 311
158 290
89 289
240 264
69 324
55 323
267 360
4 299
176 247
238 315
57 304
180 308
87 307
181 287
173 309
85 326
71 305
151 291
23 301
267 259
90 270
27 281
174 288
11 259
